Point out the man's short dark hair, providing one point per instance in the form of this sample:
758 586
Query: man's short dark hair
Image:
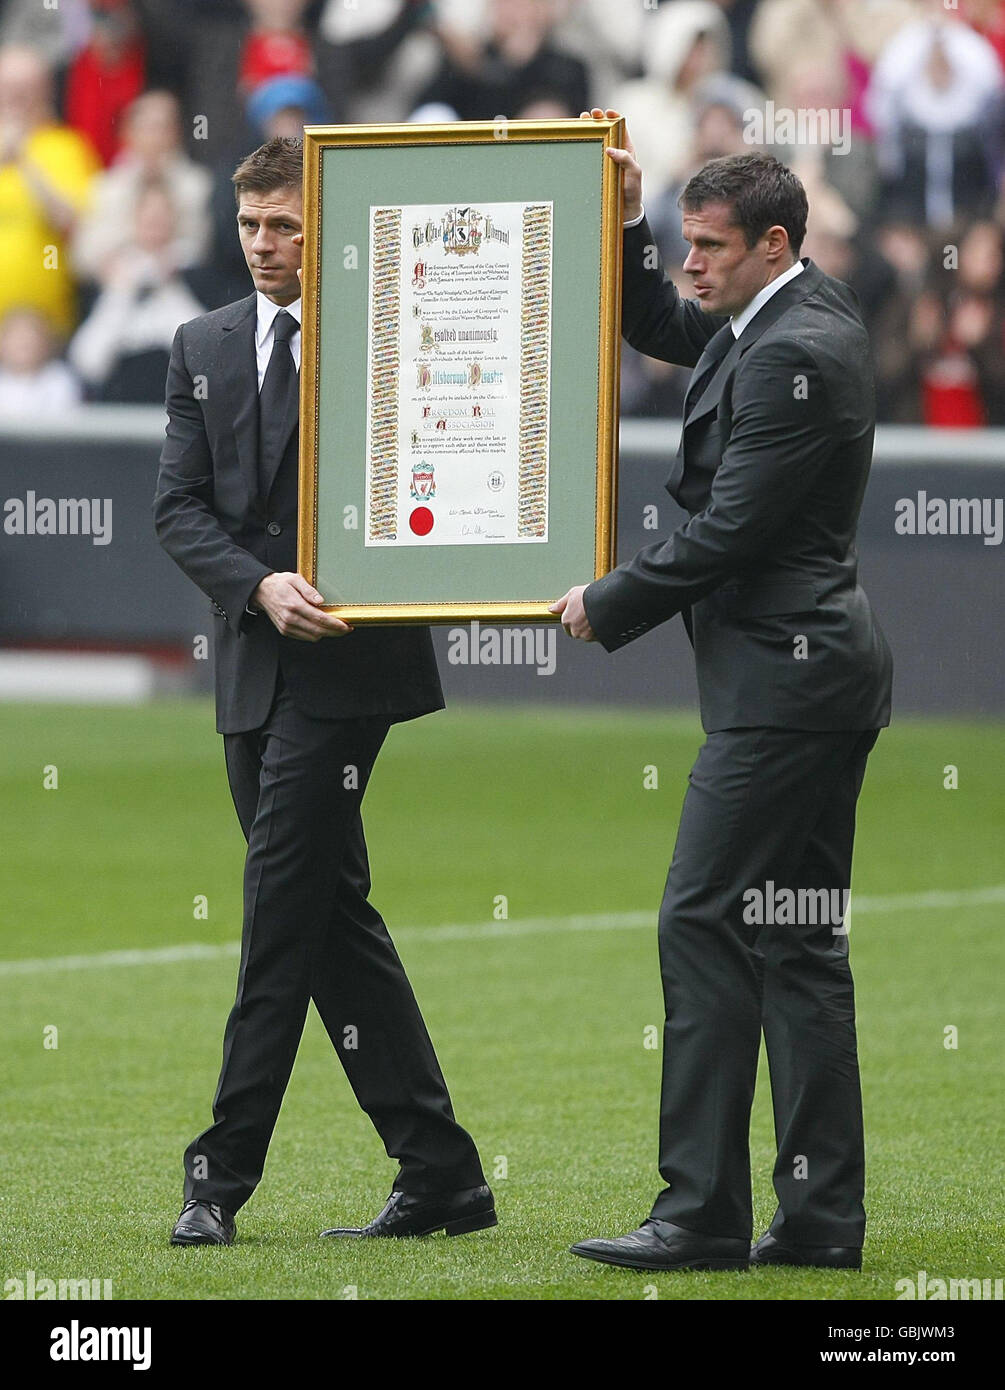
279 163
759 188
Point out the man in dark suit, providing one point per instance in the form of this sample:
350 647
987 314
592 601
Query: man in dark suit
794 680
304 704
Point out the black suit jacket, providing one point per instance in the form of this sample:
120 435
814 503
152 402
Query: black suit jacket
213 521
774 459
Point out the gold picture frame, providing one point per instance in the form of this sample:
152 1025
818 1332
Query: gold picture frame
364 168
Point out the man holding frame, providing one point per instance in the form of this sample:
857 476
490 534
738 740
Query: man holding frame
794 677
304 703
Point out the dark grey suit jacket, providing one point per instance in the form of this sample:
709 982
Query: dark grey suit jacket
772 467
213 520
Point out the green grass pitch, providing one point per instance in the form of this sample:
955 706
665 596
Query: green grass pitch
540 1024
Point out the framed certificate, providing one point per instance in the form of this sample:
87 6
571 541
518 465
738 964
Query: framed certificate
460 367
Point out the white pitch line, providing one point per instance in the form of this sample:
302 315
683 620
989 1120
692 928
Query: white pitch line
477 931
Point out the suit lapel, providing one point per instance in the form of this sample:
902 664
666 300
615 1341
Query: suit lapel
695 405
708 398
791 293
695 408
240 375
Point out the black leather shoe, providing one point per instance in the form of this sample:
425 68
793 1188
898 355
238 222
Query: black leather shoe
662 1245
769 1251
203 1223
419 1214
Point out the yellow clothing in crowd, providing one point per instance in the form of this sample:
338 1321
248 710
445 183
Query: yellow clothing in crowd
33 275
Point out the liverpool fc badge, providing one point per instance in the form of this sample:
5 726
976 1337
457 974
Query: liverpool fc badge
423 482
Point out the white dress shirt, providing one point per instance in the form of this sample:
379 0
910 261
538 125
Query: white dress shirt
265 341
265 337
740 321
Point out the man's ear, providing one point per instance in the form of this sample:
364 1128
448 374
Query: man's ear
778 243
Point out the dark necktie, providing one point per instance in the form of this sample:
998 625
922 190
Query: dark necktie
715 350
278 401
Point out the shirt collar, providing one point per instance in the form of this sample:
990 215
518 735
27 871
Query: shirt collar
267 312
739 321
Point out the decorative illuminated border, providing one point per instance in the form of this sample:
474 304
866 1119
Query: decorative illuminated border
385 313
535 361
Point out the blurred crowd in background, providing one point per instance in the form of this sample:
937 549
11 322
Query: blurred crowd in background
121 122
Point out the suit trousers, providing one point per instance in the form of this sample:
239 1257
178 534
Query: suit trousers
311 933
767 812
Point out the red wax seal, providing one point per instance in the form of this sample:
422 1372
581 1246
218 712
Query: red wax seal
421 521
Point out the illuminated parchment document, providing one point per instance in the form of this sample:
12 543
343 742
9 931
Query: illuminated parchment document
458 374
